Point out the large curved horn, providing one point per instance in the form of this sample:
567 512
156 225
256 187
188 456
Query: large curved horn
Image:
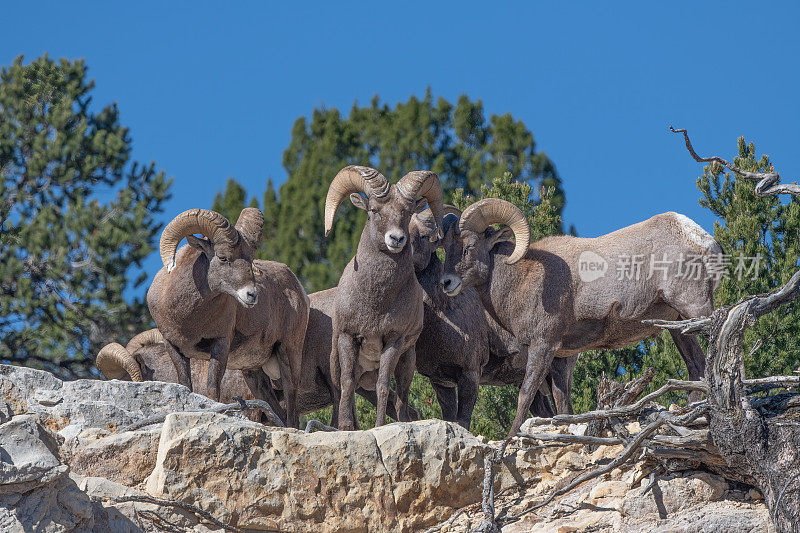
249 225
352 179
447 210
424 183
145 338
447 220
115 362
209 223
488 211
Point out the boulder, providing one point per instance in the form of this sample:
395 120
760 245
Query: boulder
67 463
35 492
397 477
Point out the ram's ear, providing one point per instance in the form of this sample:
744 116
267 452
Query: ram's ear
496 236
359 201
202 244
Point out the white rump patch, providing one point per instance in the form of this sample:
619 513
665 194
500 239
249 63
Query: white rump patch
696 234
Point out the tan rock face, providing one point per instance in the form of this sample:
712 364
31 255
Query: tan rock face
65 466
401 476
126 458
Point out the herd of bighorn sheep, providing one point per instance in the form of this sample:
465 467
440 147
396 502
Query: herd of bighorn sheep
498 310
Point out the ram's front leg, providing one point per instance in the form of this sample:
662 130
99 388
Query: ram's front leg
290 361
182 364
348 354
389 357
216 366
403 375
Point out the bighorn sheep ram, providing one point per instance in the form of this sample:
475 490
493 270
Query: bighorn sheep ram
145 358
378 309
539 293
458 336
317 360
453 346
212 301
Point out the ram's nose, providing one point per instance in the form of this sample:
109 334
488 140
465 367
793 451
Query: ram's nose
248 296
395 240
451 285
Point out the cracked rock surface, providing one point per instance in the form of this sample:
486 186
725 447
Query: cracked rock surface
66 466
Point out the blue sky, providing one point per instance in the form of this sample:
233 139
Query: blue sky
211 91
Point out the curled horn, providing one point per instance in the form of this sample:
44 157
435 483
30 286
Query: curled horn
249 225
115 362
488 211
447 209
145 338
447 222
424 183
204 221
352 179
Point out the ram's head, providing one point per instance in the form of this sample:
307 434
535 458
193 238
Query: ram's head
228 250
389 207
468 243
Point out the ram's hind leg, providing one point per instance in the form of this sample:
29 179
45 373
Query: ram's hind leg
561 372
448 401
372 397
539 358
290 360
347 354
467 396
693 356
216 366
182 364
259 384
540 406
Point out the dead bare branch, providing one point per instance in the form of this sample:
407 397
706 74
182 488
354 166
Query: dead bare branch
197 511
568 438
242 405
778 381
626 454
767 181
671 385
690 326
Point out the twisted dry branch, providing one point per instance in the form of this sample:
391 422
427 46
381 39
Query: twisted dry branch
197 511
619 460
767 181
241 405
687 327
634 408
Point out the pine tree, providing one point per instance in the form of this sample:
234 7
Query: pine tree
231 203
760 237
767 229
454 141
67 248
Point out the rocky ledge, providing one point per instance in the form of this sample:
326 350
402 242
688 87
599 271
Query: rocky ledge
68 464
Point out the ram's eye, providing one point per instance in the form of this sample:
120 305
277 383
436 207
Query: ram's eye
223 258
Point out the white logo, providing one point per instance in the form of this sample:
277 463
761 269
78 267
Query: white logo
591 266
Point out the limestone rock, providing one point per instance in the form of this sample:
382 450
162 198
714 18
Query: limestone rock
90 402
126 458
35 493
398 477
66 466
30 455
